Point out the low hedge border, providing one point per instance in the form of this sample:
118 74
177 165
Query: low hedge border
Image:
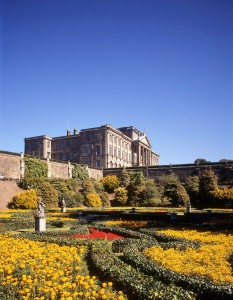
136 284
204 288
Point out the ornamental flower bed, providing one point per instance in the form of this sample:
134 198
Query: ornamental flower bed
96 234
67 263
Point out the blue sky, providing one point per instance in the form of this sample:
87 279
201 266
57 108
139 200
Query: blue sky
163 66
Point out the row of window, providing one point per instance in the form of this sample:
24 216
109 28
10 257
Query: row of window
119 142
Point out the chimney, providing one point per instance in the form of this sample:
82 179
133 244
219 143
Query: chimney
68 132
75 131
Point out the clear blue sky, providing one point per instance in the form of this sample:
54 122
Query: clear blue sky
163 66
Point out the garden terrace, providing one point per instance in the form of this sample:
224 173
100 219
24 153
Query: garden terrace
117 258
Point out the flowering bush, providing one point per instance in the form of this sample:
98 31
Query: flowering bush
24 200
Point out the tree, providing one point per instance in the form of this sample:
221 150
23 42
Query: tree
177 194
48 194
135 188
120 196
110 183
151 194
208 184
200 161
192 188
124 178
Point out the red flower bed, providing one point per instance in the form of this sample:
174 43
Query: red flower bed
96 234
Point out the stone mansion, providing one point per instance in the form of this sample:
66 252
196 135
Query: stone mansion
99 147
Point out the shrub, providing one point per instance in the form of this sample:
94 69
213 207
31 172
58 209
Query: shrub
87 187
24 200
35 168
48 194
105 199
223 197
110 183
207 185
177 194
120 196
80 172
30 183
192 188
73 199
150 194
93 200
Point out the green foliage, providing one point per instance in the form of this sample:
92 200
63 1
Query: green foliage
48 194
135 188
208 184
151 195
223 197
124 178
192 188
73 185
98 185
60 185
200 161
35 168
87 186
73 199
24 200
177 194
93 200
104 196
110 183
120 196
80 172
30 183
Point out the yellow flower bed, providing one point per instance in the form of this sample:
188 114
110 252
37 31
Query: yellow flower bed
209 261
36 270
127 223
5 216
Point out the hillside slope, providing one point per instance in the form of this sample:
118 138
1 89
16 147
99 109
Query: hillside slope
7 190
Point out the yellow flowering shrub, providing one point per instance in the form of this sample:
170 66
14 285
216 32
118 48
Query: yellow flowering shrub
36 270
24 200
209 261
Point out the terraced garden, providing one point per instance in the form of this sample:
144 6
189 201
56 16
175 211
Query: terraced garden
116 256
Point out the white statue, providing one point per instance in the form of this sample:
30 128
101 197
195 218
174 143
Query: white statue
41 207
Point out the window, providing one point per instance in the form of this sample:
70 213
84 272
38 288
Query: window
48 144
97 150
115 151
110 150
98 163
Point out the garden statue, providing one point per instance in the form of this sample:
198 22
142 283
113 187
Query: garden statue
41 206
40 220
63 205
188 208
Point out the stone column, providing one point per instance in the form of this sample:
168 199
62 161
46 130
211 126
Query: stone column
49 168
70 167
22 166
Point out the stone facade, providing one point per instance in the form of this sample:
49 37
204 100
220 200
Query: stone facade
99 147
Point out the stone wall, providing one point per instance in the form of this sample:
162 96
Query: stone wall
95 173
224 171
10 165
